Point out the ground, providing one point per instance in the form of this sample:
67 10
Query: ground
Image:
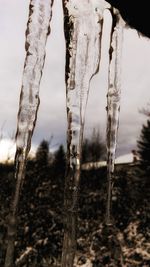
40 223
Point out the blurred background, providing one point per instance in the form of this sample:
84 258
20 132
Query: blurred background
40 208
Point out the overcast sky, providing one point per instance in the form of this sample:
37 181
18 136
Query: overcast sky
52 112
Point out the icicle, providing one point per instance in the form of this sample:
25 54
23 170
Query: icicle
83 26
113 104
38 28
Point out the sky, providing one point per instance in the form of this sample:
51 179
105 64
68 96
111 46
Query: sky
51 120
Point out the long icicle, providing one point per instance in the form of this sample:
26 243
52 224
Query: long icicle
113 103
38 28
83 27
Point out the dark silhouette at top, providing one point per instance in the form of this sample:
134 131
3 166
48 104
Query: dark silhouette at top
135 14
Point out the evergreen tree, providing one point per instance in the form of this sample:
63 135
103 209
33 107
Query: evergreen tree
93 148
144 147
60 160
42 154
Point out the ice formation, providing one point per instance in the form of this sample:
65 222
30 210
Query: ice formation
38 28
113 102
83 21
83 28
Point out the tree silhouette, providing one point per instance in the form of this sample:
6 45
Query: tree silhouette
42 154
42 159
144 147
60 160
93 148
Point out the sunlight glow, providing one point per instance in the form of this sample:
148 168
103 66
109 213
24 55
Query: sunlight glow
8 149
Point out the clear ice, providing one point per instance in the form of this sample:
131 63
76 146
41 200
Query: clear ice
113 103
38 28
83 22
